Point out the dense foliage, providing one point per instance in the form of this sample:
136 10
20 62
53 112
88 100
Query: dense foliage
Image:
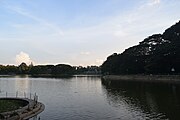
157 54
48 70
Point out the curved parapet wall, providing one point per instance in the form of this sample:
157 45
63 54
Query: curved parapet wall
11 104
28 109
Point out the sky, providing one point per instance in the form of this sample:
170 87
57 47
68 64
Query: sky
78 32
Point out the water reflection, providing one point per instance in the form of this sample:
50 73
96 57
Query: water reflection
22 84
145 100
87 97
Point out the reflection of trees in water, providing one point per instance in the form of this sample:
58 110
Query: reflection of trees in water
151 100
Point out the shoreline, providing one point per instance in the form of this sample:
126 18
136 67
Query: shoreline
144 78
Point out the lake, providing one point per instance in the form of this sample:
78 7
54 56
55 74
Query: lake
89 98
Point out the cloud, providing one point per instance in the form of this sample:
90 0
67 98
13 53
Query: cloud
85 53
99 61
154 2
120 33
23 57
25 13
113 34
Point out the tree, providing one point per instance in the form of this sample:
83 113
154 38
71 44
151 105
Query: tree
62 69
156 54
23 68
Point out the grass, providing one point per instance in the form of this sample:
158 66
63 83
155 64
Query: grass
10 105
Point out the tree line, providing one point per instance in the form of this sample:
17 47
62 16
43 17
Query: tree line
157 54
48 70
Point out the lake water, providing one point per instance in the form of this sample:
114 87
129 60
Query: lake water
88 98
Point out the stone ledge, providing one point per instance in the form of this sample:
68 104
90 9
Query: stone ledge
31 109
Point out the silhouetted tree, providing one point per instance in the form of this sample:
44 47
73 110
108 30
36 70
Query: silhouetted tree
157 54
23 68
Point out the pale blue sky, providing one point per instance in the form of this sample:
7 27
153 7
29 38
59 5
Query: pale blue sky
78 32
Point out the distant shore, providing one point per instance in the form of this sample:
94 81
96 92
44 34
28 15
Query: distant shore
144 78
52 76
